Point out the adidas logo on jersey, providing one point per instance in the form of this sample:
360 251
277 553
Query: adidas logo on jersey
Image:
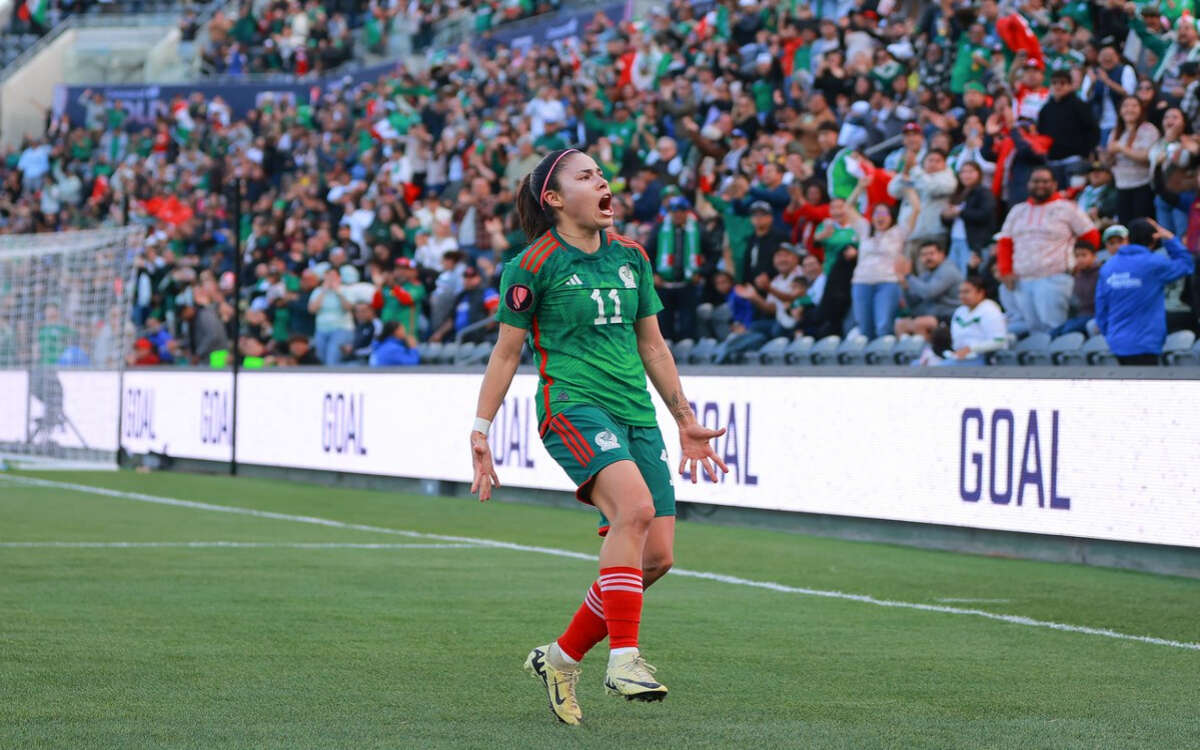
574 280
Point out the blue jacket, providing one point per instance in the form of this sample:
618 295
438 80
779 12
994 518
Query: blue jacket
1130 307
392 351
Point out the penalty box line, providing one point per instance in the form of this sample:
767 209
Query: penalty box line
703 575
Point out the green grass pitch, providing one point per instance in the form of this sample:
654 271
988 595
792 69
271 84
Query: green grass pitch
333 646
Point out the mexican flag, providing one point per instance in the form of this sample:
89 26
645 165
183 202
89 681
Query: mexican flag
847 168
34 11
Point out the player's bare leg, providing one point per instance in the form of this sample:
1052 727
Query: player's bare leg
659 553
621 494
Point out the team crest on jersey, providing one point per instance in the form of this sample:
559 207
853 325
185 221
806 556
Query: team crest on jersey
627 279
607 441
519 298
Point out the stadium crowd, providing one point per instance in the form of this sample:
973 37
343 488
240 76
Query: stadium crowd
965 174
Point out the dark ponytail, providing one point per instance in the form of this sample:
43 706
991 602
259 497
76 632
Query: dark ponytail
535 217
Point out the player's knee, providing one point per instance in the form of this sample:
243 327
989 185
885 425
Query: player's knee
636 517
656 567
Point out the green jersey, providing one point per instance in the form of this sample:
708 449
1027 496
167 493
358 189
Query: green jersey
579 309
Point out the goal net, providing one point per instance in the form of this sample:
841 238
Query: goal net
64 329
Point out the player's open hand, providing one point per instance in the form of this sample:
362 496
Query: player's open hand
694 441
485 473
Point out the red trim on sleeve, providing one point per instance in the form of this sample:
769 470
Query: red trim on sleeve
402 295
377 300
1004 252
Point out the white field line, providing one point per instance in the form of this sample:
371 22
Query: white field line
717 577
227 545
974 601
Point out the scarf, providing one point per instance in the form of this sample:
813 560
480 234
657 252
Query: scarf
666 261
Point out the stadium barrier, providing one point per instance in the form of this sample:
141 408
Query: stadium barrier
1091 458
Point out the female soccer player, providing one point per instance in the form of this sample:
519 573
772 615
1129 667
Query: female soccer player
585 297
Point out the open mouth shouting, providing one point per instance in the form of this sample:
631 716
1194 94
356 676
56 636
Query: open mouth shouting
606 205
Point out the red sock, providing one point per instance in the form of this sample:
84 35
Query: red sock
587 627
621 592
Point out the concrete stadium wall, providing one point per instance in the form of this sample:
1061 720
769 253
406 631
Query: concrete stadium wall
26 96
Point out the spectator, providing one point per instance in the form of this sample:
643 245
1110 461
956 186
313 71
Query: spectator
1114 237
300 352
772 301
334 322
932 186
875 287
1105 86
758 257
1034 252
977 326
367 328
1099 197
395 347
678 265
1128 152
398 296
1071 126
971 216
930 297
1170 159
209 334
475 303
1083 291
1130 308
52 336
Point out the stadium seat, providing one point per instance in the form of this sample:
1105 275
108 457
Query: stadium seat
449 352
1032 347
879 351
432 354
1191 357
1096 352
682 349
474 355
907 349
797 352
1066 346
702 352
850 351
773 351
1180 342
824 352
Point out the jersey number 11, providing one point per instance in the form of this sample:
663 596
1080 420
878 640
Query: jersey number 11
616 316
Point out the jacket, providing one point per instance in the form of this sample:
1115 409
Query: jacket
1071 125
391 352
1130 308
979 217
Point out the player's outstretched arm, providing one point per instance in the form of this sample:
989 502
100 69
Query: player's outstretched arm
693 437
502 365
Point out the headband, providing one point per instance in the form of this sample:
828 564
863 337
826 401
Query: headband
542 195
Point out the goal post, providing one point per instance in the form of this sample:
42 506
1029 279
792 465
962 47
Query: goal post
65 326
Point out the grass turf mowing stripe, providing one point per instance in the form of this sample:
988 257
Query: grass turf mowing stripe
703 575
224 545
